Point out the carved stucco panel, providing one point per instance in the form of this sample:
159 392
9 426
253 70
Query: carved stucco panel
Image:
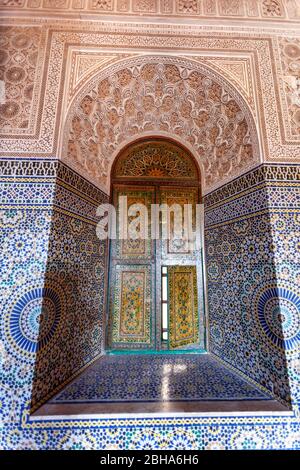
115 38
238 71
153 94
82 65
269 10
287 52
21 61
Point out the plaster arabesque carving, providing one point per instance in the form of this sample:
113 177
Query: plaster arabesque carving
173 96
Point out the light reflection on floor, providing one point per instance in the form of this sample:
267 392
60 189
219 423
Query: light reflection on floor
157 378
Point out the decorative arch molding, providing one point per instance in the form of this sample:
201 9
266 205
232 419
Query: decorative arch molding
155 159
148 137
154 95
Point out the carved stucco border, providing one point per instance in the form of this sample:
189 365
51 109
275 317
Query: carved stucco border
75 8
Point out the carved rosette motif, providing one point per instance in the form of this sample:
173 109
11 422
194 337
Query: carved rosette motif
290 62
18 64
174 96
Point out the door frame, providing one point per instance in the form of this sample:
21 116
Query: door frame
157 183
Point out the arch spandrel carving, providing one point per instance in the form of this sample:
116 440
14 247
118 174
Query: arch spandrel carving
174 96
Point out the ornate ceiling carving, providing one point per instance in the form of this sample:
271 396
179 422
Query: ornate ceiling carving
233 9
162 94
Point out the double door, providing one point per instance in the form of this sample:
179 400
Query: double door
155 278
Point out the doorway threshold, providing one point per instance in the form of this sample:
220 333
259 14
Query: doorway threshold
144 409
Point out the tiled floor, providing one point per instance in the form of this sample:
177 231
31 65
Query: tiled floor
157 383
148 378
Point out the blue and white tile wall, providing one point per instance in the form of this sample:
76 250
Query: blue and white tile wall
52 279
52 290
253 270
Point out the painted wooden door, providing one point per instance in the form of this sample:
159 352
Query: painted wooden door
183 307
132 306
183 262
136 313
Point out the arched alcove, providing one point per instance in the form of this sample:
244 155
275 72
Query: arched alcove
202 115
